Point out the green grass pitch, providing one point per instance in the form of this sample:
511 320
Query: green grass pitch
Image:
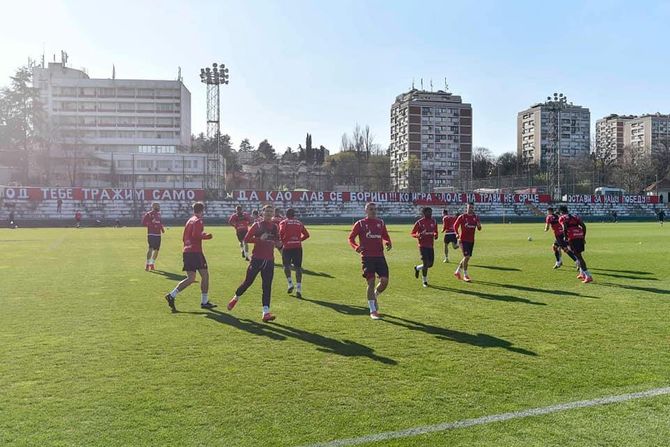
90 354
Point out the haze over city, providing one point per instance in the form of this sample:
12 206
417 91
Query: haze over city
318 67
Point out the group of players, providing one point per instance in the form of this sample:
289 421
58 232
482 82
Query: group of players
269 230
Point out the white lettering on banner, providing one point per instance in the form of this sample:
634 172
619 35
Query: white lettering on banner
268 196
10 193
253 196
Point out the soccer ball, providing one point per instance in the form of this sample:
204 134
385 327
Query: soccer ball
530 238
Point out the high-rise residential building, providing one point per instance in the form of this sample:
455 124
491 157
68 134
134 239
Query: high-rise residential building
98 126
648 132
610 135
544 127
431 140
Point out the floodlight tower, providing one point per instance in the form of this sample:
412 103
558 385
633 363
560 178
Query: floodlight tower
555 106
214 77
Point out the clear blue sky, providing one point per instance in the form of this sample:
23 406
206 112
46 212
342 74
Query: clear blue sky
319 66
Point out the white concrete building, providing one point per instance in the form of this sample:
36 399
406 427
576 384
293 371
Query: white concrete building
148 121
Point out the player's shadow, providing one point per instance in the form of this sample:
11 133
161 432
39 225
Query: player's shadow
633 272
479 340
637 288
536 290
489 296
275 331
620 276
169 275
497 267
340 308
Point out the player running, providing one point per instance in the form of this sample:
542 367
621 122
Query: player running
575 230
265 237
152 220
660 215
372 234
241 222
449 233
194 258
560 243
465 226
292 234
77 219
425 231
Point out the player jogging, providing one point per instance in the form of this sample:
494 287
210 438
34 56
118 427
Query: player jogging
575 230
77 219
152 220
292 234
661 216
465 227
425 231
241 222
372 235
560 243
449 233
194 258
265 237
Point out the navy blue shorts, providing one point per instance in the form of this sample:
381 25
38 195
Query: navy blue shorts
450 238
292 257
375 266
194 262
241 234
467 247
427 255
154 242
561 242
577 245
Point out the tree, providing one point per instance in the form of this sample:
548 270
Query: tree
21 118
246 146
660 158
266 150
507 163
634 172
483 162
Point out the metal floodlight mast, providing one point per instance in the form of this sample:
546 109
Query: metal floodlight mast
214 77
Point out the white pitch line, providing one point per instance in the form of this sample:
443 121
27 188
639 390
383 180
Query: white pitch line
447 426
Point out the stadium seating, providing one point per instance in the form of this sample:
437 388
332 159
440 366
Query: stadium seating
129 212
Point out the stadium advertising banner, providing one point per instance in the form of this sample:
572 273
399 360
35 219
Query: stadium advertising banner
382 197
102 194
628 199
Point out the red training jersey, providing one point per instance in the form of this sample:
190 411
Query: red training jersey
240 221
292 233
465 226
371 234
194 233
425 231
77 216
277 220
572 226
553 221
152 220
448 224
263 235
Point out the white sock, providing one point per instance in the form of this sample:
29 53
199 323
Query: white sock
418 267
298 286
465 272
152 261
372 304
290 282
204 298
174 293
425 278
266 310
458 269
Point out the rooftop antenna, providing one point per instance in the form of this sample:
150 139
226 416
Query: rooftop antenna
179 78
43 54
113 71
431 85
421 83
63 58
446 86
412 83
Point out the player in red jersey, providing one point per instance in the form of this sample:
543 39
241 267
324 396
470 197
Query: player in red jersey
241 222
277 218
265 237
152 220
575 230
77 219
292 234
449 233
372 235
465 227
194 259
425 231
560 243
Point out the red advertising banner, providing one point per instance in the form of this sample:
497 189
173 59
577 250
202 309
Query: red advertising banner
628 199
382 197
102 194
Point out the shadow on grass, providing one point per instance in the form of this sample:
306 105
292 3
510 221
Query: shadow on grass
489 296
275 331
620 276
634 272
497 267
340 308
637 288
479 340
307 272
169 275
534 289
